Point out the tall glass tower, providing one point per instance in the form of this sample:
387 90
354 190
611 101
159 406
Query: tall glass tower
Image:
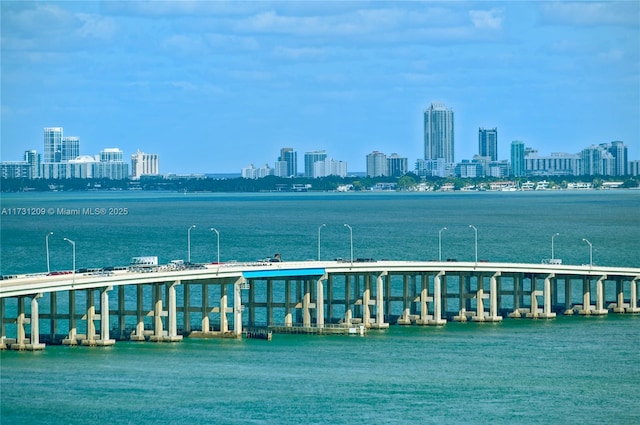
488 143
310 158
438 133
517 158
52 144
290 157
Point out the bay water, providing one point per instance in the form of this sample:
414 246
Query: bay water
570 369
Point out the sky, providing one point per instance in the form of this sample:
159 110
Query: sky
215 86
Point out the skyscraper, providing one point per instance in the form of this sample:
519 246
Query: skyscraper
69 148
310 158
52 144
376 164
438 133
144 164
488 143
517 158
290 158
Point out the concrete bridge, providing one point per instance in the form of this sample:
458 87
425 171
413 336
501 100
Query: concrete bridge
216 300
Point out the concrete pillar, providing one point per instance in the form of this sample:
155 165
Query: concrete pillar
158 328
288 310
437 299
91 336
21 320
224 309
35 325
600 309
404 318
380 323
493 298
320 301
633 300
206 328
546 312
329 299
172 314
620 305
104 318
366 299
237 306
306 305
586 296
479 316
270 302
3 326
424 298
72 337
138 335
568 302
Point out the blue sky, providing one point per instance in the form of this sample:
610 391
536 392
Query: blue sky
214 86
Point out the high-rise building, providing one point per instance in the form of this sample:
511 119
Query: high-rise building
517 158
488 143
376 164
33 159
144 164
310 158
597 161
396 165
69 148
52 144
619 151
288 161
438 133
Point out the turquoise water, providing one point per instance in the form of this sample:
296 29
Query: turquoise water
570 369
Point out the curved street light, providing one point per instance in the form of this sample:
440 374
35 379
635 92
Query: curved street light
218 239
590 252
351 239
440 243
552 237
189 243
46 244
476 233
321 226
73 244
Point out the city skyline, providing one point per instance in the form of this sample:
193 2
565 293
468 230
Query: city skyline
205 84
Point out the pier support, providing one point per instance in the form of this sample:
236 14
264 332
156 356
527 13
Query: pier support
237 306
138 334
104 318
379 303
587 308
90 316
72 336
437 300
546 312
320 301
22 342
633 301
172 314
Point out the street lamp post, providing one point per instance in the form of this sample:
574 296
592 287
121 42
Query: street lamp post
590 252
218 239
440 243
351 239
476 233
321 226
73 244
189 243
552 237
46 244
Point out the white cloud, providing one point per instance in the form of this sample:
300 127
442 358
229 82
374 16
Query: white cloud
94 26
486 19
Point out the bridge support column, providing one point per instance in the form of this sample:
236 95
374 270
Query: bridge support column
379 303
424 299
348 313
224 309
205 325
104 318
320 301
465 286
619 306
72 336
437 300
493 299
121 312
404 318
480 315
158 330
587 308
53 315
586 296
633 301
568 304
366 301
33 343
306 305
237 306
600 309
90 316
138 334
172 314
288 309
546 308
